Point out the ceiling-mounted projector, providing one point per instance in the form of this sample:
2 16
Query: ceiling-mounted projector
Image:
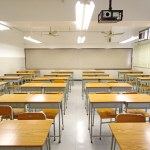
110 15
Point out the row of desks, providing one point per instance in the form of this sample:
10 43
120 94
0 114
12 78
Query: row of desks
132 101
24 134
35 101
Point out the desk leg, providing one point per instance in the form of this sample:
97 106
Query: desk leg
89 118
62 117
59 125
91 107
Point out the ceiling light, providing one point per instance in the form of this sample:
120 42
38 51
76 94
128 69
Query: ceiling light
130 39
3 27
80 39
31 39
84 13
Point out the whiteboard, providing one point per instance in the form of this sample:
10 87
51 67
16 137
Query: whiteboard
88 58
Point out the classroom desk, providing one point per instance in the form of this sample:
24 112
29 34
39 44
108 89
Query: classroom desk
36 72
95 79
51 79
142 81
137 101
24 134
35 101
94 74
3 86
27 76
47 87
122 73
12 79
105 87
131 136
132 77
103 101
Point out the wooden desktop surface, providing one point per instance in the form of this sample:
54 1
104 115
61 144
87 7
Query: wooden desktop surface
44 85
28 98
3 83
50 78
10 77
24 133
109 85
100 78
106 98
132 136
130 71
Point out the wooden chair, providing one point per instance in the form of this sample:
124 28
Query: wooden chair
58 81
51 114
6 112
105 113
35 116
130 118
127 118
32 116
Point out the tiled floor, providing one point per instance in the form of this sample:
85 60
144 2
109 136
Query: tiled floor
75 135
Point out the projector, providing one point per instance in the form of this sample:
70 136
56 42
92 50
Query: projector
110 16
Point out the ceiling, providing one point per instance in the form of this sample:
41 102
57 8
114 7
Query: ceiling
35 17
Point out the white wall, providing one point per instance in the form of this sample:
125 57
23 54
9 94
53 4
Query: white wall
12 56
141 57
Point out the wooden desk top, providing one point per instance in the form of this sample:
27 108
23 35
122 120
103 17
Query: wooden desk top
20 73
24 133
100 78
130 71
132 136
108 85
10 77
140 98
2 83
94 74
136 75
120 85
97 84
46 98
143 78
26 71
50 78
35 98
57 74
43 85
94 98
15 98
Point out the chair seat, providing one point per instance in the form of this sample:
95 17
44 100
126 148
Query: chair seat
50 113
54 92
105 113
138 111
17 111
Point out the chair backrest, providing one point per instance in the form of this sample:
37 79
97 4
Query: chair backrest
130 118
129 93
113 81
6 112
58 81
32 116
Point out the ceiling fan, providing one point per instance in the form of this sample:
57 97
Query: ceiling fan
52 33
109 34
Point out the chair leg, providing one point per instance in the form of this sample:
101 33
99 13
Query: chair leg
54 129
100 128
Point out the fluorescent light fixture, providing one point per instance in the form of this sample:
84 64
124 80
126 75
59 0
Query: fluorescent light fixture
130 39
84 13
80 39
3 27
31 39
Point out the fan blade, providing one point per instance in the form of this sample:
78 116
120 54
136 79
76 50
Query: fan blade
118 33
104 32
